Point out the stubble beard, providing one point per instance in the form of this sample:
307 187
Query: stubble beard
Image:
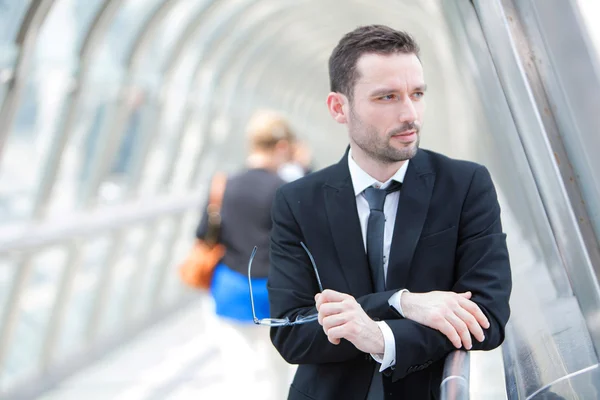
369 141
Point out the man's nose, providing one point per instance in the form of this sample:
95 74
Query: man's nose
408 113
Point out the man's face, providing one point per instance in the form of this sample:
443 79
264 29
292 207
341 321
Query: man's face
385 115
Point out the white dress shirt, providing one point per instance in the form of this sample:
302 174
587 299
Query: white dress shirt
360 181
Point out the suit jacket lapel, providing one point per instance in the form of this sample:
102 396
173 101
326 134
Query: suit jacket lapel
342 215
410 217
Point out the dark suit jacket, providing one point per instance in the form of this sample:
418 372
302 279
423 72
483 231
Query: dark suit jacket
447 236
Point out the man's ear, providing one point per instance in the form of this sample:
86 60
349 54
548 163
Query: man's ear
337 105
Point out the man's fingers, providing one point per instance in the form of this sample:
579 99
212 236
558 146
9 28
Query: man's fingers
329 295
471 323
466 295
447 329
332 295
461 330
328 309
318 301
335 334
332 308
332 339
333 321
474 310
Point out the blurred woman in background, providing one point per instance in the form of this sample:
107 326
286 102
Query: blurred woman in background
246 350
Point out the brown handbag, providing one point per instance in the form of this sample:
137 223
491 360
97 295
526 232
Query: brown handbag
198 268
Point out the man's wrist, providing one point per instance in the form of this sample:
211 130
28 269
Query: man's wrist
387 357
397 302
404 302
379 339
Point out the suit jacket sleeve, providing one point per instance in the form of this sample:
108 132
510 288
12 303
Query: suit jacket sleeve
482 267
292 286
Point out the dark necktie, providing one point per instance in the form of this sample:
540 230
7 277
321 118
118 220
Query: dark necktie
375 230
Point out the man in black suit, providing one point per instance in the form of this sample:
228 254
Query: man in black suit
408 243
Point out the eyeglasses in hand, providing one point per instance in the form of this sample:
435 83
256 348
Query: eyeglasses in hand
275 322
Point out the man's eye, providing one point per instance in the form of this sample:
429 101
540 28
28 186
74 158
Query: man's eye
388 97
418 95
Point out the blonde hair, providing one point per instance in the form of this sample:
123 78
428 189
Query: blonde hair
266 128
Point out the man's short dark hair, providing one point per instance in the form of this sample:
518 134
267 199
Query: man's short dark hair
378 39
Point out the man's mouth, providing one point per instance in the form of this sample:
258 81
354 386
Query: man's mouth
406 136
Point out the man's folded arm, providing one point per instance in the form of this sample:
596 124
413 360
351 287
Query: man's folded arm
482 267
292 286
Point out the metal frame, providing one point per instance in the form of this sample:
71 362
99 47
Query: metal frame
575 254
136 280
568 87
85 224
142 41
137 277
456 376
489 37
208 90
26 40
60 304
110 138
65 128
208 43
189 35
57 316
159 284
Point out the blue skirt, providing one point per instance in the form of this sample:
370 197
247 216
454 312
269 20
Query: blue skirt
231 294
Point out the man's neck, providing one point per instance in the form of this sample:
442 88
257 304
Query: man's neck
378 170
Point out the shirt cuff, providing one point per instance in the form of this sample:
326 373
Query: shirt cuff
395 301
389 352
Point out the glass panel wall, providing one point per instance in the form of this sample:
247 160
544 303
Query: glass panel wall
41 108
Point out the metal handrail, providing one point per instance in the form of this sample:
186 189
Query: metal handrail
88 223
455 379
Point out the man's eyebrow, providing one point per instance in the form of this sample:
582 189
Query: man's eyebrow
421 88
382 92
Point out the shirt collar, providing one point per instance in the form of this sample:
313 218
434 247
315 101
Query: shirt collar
361 180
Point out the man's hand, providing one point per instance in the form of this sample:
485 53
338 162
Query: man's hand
453 314
343 318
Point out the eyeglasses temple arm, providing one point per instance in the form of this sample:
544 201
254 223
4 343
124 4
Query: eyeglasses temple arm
250 282
312 260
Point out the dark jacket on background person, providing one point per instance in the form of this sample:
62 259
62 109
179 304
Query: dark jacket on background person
246 219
